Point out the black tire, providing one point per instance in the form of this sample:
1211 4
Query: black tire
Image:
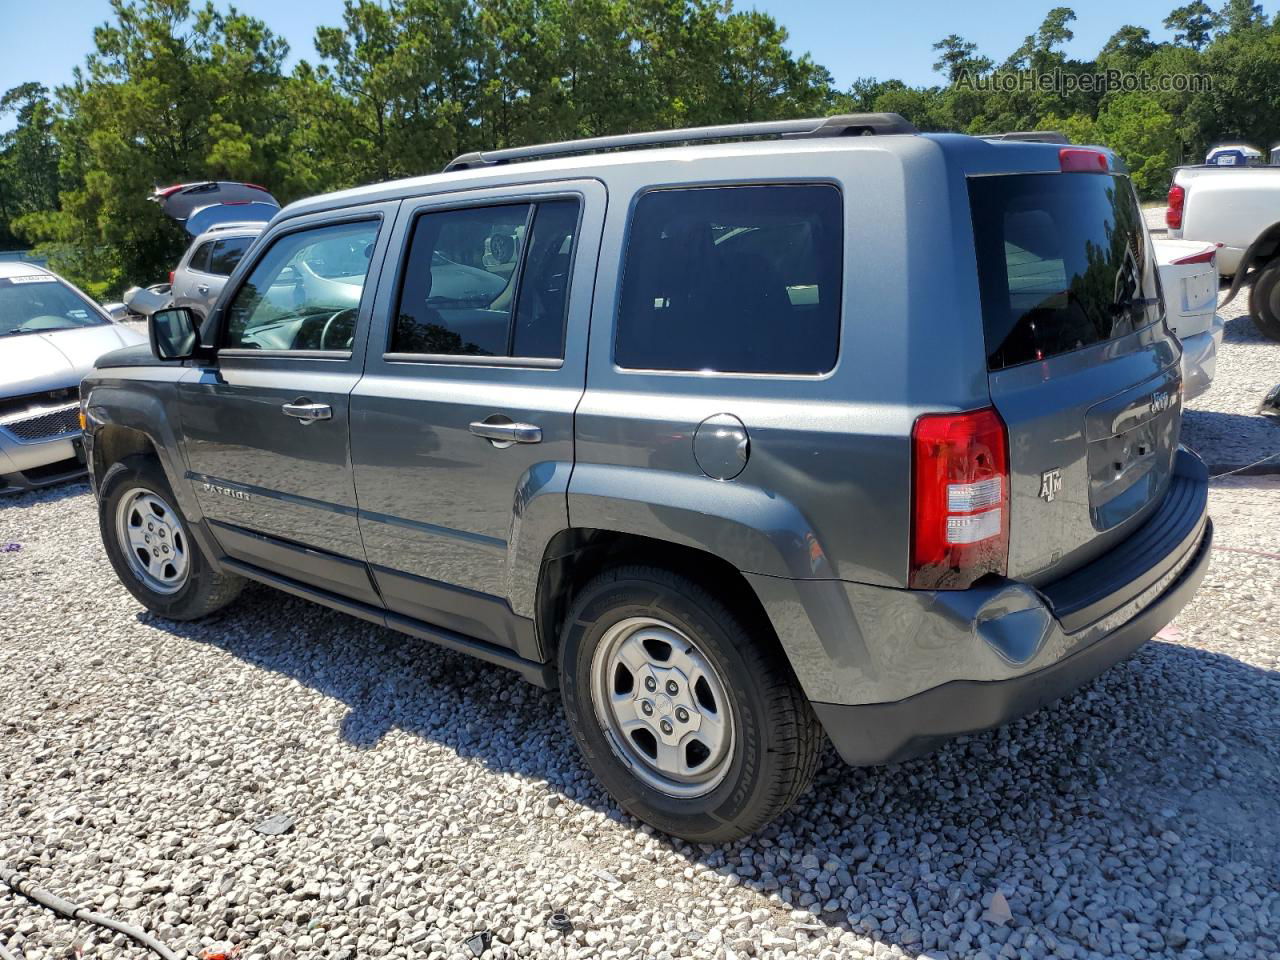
204 590
777 740
1264 300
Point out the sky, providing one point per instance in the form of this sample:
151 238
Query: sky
852 39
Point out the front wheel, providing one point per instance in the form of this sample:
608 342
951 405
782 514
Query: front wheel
687 714
1264 300
148 544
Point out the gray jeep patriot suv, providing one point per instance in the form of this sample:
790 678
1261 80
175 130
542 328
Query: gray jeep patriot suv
774 434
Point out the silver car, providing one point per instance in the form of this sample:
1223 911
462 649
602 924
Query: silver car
223 217
201 273
50 336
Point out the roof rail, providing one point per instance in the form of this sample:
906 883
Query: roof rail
846 125
236 225
1028 136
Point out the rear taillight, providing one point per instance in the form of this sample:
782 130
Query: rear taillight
1204 256
1173 214
172 273
960 519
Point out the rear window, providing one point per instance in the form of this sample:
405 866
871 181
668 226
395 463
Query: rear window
227 254
1062 263
733 279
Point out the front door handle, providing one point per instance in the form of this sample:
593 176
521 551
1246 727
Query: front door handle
203 288
503 434
308 412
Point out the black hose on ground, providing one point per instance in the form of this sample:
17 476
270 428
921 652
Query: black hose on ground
65 908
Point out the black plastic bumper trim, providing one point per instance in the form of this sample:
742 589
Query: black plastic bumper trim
540 674
1093 591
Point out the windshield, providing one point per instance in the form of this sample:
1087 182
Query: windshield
1062 263
42 303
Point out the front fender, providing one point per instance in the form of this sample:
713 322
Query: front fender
144 400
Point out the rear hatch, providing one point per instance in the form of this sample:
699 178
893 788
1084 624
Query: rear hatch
1081 367
199 206
1189 279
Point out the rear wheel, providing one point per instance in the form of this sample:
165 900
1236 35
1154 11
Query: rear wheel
148 543
687 715
1264 300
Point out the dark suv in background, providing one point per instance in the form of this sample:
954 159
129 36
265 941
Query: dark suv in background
834 429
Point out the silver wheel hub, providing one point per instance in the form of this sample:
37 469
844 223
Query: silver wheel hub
153 541
663 707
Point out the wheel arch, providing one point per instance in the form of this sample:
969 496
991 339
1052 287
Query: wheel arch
1261 253
127 416
575 555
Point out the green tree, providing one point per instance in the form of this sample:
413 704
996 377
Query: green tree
1193 24
1239 15
169 94
957 56
1126 48
28 157
1145 135
1041 51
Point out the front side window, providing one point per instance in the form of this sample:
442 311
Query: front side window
304 293
488 281
733 279
1062 263
227 254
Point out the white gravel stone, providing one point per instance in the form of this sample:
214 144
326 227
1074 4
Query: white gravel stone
1223 424
1139 818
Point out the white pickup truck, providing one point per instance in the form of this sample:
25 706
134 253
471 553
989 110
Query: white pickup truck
1237 208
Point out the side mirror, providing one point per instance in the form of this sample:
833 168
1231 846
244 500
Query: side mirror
174 334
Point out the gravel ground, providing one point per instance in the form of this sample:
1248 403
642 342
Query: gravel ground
433 798
1223 424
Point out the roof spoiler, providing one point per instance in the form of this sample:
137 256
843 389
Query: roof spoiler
1028 136
845 125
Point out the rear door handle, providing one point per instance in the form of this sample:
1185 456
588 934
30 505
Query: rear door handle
507 433
203 288
308 412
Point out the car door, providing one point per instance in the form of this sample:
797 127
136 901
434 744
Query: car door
266 422
191 273
462 427
223 260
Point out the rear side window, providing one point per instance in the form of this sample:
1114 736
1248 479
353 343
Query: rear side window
1062 263
733 279
488 281
200 259
227 253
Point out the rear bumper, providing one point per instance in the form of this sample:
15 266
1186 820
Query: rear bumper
981 657
1200 359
